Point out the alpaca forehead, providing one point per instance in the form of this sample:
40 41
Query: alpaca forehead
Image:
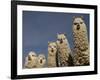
61 36
52 44
78 20
41 56
32 53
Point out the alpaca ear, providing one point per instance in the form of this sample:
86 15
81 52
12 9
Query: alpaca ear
48 42
74 17
81 17
65 34
57 33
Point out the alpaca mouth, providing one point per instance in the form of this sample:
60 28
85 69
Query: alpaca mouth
52 50
40 61
78 27
61 41
29 58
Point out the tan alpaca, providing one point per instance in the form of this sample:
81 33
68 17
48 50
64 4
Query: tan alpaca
64 50
31 60
81 45
52 50
41 61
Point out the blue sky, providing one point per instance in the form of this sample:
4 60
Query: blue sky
41 27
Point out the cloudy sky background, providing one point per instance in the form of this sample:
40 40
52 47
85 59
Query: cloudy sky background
41 27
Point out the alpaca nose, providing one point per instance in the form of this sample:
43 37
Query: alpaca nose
61 41
29 58
41 61
52 50
78 27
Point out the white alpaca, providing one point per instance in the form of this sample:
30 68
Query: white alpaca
81 45
64 51
41 61
31 60
52 50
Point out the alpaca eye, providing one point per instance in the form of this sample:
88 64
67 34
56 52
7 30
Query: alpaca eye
64 39
43 58
58 39
75 23
33 55
81 22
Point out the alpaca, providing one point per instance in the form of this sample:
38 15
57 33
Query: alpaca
64 51
81 45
